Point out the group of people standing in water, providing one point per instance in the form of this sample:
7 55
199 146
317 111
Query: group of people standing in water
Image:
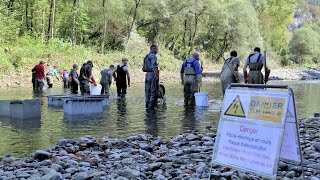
190 74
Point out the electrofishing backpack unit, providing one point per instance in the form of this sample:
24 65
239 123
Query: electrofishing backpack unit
147 66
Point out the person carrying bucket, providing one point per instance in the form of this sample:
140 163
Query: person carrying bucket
191 78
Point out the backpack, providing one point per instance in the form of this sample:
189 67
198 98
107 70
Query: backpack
147 66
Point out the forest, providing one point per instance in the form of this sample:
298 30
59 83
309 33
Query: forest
67 31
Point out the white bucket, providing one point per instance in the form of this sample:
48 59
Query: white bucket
95 90
201 99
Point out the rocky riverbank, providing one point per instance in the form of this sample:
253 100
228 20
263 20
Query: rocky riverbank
15 80
145 157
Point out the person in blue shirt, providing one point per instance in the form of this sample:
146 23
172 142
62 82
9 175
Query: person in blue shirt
190 74
52 73
150 67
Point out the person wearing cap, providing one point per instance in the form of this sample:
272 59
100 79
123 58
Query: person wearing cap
190 75
74 79
86 77
39 75
121 75
106 80
52 73
256 62
229 72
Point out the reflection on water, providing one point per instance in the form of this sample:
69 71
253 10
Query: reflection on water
126 116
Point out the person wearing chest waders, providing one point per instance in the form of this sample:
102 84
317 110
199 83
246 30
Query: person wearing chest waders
86 78
39 76
122 78
106 80
229 72
74 79
150 67
256 62
190 74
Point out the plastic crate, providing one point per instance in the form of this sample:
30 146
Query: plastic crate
83 105
5 108
104 97
57 100
25 109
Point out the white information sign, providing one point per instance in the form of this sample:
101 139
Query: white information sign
290 149
251 130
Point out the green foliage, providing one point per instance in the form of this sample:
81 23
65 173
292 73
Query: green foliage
275 16
305 45
77 30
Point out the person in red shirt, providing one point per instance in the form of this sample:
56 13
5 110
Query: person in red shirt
39 74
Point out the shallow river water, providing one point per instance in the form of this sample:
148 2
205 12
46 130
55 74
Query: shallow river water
125 117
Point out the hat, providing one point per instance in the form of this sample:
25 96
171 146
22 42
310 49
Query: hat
90 62
75 66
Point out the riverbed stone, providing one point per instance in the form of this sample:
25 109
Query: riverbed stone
42 155
63 142
227 174
8 160
22 174
192 137
145 146
165 159
314 166
129 173
52 176
314 178
316 145
243 176
154 166
72 170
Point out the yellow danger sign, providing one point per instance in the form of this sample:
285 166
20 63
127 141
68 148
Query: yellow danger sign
266 108
235 108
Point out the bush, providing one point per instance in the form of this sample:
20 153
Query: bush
305 45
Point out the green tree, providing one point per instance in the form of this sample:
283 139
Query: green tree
305 45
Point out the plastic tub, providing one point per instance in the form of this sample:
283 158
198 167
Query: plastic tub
25 109
201 99
81 105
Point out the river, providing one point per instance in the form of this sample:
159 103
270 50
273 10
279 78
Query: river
125 117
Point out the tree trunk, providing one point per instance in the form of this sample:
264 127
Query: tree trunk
74 26
184 34
104 26
31 17
43 24
53 18
26 14
10 7
196 19
49 21
135 11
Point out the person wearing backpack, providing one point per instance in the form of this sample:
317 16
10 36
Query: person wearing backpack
256 62
229 73
121 75
150 67
190 74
